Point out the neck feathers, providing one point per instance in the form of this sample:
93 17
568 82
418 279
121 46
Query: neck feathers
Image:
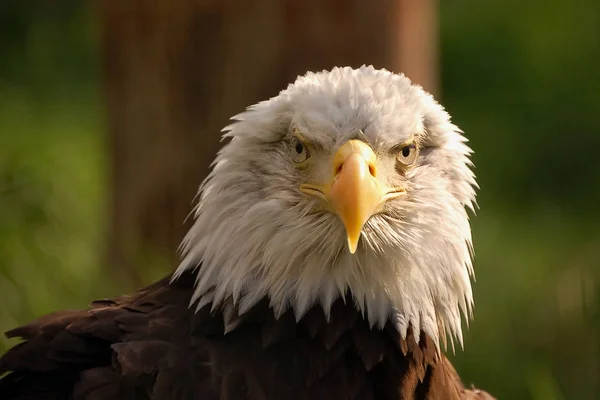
247 254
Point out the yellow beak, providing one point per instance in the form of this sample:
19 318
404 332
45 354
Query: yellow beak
354 193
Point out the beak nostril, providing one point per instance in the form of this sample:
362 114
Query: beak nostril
372 170
339 169
340 166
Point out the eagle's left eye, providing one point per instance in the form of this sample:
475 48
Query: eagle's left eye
299 151
407 154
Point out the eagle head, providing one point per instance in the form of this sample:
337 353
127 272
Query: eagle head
350 181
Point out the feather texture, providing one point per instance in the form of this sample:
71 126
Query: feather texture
150 345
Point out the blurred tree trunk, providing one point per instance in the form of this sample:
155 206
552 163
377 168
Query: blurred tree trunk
176 71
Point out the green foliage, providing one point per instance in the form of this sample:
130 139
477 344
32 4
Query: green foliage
519 77
51 189
52 167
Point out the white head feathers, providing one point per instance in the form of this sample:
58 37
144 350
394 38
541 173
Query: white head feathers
257 235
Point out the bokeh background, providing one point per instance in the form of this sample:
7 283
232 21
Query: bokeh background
110 113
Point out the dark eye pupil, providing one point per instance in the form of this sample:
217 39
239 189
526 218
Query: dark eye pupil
299 148
406 151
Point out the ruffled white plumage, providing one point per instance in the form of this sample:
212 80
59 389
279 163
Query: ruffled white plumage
255 235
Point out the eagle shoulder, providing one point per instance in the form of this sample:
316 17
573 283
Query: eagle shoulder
134 346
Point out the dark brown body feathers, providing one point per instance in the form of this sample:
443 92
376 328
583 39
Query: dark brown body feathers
151 345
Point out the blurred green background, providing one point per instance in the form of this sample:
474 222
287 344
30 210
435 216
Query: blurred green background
520 78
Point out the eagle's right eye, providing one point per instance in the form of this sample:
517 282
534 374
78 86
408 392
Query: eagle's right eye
299 151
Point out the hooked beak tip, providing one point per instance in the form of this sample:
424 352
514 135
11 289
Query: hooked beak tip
352 245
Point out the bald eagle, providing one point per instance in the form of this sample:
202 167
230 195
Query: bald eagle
329 257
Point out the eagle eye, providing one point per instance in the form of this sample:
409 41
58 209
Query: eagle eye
299 151
407 154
